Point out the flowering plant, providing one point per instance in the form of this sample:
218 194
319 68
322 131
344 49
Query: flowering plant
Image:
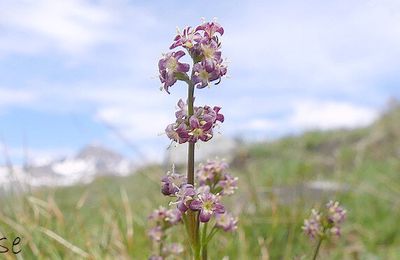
321 225
195 203
196 197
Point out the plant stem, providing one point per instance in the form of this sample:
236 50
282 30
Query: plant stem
190 169
193 221
211 234
204 242
317 248
160 248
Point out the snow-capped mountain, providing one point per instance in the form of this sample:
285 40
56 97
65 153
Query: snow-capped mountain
89 162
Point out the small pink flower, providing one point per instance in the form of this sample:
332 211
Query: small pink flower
313 226
182 112
226 221
171 183
169 66
158 215
156 233
173 249
208 71
336 214
228 184
210 28
173 216
165 218
185 196
336 231
199 130
211 172
187 39
208 204
177 132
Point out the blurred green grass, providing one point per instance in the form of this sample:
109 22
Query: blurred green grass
107 218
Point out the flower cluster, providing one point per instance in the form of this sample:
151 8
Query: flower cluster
161 220
169 251
320 225
199 126
312 226
336 215
197 204
204 199
203 45
215 175
213 182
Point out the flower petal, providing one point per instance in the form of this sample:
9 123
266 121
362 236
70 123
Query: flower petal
204 216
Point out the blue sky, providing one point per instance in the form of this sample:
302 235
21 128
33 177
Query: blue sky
70 68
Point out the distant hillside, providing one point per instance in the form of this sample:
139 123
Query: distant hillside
381 140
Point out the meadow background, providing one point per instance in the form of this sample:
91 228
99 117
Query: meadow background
311 99
106 219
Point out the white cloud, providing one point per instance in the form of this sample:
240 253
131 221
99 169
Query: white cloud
315 46
330 114
138 113
73 25
307 114
68 26
12 97
261 124
137 125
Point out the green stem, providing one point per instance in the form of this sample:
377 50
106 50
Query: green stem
318 247
161 245
160 248
197 254
193 221
212 233
186 224
190 170
204 242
